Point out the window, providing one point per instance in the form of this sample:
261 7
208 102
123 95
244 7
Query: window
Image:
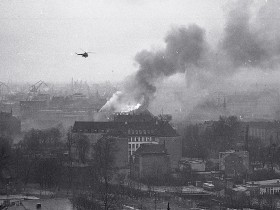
136 131
148 131
143 138
132 131
144 131
140 132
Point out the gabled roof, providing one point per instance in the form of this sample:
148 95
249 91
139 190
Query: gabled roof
146 149
164 129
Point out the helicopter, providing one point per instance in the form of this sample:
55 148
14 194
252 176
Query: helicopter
85 54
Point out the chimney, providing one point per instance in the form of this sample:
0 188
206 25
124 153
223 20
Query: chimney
38 206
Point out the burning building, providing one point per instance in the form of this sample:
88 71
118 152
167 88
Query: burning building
140 128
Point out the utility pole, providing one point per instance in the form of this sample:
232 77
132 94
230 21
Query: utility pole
155 201
168 208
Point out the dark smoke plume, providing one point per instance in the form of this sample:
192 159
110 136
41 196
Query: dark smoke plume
185 48
253 41
249 41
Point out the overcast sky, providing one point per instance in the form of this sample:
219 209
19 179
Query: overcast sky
39 38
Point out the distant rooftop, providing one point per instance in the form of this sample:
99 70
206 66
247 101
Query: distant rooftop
266 182
145 149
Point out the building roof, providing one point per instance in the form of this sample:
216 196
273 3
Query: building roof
55 203
148 149
158 128
266 182
83 126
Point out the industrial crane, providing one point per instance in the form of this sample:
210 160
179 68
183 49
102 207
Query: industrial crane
33 90
35 87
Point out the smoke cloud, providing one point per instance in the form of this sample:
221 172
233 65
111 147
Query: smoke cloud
251 40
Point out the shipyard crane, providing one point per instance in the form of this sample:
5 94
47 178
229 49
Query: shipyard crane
35 87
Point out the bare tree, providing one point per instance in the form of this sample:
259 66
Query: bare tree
104 152
82 144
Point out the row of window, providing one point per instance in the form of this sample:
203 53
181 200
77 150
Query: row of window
91 131
140 139
134 146
272 190
104 131
140 132
257 132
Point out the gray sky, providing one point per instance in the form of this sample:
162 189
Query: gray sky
39 38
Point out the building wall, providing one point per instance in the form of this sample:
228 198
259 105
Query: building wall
151 165
266 135
267 132
270 190
121 154
134 142
199 166
174 149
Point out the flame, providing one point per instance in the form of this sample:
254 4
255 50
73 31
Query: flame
129 108
121 102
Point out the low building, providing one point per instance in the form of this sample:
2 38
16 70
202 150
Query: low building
150 160
270 187
234 163
266 132
34 203
194 164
